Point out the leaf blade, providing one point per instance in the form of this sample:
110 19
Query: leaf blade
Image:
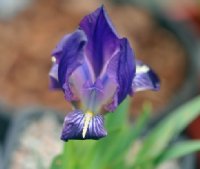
160 136
178 150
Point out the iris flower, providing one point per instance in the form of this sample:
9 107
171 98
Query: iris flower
97 70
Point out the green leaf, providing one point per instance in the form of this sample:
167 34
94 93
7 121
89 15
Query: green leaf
86 153
134 131
114 123
124 138
119 117
57 162
179 150
156 142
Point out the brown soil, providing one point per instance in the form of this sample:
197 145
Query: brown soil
27 41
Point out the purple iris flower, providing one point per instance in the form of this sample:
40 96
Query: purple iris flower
96 69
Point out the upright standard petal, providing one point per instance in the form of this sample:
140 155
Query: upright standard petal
102 39
118 75
71 57
126 70
57 52
145 78
79 80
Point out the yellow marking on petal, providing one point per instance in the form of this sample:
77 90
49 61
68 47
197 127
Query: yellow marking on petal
87 118
53 59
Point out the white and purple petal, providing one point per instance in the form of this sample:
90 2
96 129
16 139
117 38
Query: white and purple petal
145 78
74 124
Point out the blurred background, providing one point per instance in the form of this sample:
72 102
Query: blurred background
164 34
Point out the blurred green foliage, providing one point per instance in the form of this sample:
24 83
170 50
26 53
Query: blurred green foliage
124 148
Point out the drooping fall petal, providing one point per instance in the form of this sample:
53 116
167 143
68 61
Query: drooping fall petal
74 124
145 78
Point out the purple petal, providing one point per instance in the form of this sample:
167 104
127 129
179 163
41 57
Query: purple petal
117 77
53 74
109 78
74 123
102 39
126 70
54 84
71 56
78 79
57 52
99 94
145 79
